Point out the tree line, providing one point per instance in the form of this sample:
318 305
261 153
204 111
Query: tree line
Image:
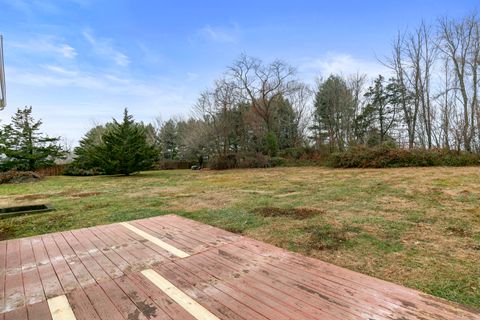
257 111
428 99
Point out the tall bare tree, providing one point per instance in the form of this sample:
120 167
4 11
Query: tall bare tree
459 41
402 81
260 84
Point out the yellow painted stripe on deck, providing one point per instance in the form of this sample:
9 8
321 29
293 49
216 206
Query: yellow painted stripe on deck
187 303
158 242
60 308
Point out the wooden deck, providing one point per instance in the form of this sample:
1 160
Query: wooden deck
173 268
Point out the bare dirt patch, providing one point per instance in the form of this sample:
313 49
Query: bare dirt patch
200 201
37 196
155 191
325 237
296 213
34 196
392 202
457 231
85 194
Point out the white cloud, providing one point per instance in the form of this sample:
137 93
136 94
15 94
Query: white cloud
220 34
104 48
30 7
81 97
46 45
343 64
59 70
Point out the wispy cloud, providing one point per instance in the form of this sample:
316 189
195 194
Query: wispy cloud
83 97
229 34
59 70
30 7
104 47
57 76
45 44
344 64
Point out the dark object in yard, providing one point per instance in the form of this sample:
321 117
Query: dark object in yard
14 176
21 210
195 167
295 213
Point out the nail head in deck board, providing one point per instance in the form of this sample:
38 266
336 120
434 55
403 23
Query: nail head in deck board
192 307
177 252
60 308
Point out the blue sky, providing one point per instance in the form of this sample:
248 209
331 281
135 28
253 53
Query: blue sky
80 62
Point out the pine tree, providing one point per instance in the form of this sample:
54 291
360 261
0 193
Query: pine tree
24 147
85 153
125 149
380 110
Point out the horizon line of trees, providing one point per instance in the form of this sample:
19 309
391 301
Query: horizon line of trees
429 99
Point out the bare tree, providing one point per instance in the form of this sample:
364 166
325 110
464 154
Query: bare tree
357 85
260 84
216 107
421 53
403 79
301 100
459 41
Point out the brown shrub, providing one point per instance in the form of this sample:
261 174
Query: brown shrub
14 176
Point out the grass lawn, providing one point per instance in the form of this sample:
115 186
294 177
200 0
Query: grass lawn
419 227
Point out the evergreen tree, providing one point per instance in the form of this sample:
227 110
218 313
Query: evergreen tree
125 148
334 112
85 153
285 124
169 140
381 112
24 147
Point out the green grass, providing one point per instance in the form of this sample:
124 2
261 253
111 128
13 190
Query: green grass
419 227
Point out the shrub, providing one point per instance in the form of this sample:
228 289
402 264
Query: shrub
292 153
74 170
174 164
386 156
271 144
277 162
257 160
232 161
14 176
223 162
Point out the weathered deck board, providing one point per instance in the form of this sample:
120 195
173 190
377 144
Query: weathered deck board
32 283
98 269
